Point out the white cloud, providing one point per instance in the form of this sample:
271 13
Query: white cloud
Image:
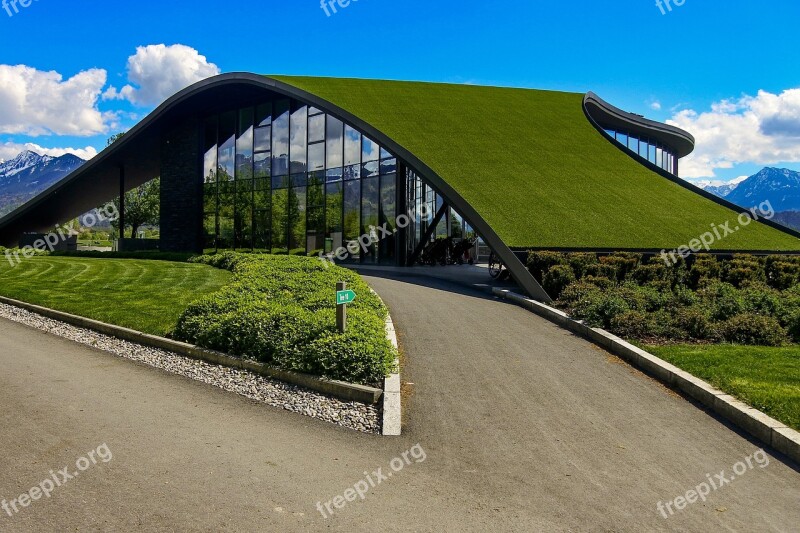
655 106
157 71
10 150
762 129
34 102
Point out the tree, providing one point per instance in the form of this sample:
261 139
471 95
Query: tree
142 204
142 207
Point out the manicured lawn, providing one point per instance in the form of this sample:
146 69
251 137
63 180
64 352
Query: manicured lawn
144 295
535 169
765 378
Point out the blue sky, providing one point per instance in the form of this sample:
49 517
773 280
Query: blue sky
727 71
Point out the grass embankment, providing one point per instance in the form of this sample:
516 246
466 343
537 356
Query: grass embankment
277 310
530 163
734 323
765 378
281 310
144 295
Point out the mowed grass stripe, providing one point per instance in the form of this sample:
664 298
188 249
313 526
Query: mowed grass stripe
147 296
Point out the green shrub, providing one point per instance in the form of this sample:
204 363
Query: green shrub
556 280
600 283
632 325
704 268
580 262
743 270
755 330
695 323
722 299
280 310
623 263
575 293
541 262
653 272
599 309
782 272
602 270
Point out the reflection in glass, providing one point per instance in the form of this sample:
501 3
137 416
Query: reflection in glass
352 172
352 213
244 145
210 152
297 220
315 230
226 214
334 174
316 156
370 150
227 146
261 165
385 153
352 146
370 199
262 200
280 138
299 130
334 133
243 220
388 216
316 128
280 221
371 169
264 115
334 202
263 139
388 166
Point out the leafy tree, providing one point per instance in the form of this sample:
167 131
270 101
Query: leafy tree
142 207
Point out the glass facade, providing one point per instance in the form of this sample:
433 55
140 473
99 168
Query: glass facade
282 177
423 200
650 149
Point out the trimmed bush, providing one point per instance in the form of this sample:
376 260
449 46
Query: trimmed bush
782 272
280 310
754 330
540 262
695 324
576 292
580 262
722 299
556 280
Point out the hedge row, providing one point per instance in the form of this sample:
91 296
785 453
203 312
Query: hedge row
281 310
743 300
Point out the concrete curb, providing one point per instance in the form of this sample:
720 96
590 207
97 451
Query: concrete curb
766 429
392 402
392 415
338 389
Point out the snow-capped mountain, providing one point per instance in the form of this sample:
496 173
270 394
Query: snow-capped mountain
28 174
780 186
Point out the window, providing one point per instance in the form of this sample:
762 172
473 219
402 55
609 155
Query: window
299 131
244 145
227 147
352 146
280 138
370 200
370 150
352 213
334 133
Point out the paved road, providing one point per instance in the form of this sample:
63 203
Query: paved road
525 428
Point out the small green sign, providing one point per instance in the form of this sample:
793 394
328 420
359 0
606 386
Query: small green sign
345 297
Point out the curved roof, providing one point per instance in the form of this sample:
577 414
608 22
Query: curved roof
527 167
608 116
535 168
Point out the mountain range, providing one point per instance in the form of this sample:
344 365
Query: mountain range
779 186
28 174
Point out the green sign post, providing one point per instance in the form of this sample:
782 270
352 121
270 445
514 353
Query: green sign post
343 297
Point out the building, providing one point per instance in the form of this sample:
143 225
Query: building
307 165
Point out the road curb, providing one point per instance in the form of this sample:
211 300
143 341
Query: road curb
766 429
392 401
350 392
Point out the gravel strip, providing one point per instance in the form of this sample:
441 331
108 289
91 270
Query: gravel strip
352 415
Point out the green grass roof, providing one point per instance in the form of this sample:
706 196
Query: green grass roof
533 166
